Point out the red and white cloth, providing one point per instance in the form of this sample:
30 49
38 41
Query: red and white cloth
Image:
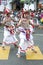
25 41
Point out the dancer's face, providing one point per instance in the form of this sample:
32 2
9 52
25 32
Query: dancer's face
25 15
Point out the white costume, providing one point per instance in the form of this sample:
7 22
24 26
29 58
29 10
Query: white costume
9 34
25 41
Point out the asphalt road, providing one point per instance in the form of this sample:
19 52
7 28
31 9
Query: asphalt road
13 60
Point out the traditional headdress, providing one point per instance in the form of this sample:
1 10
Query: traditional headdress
25 10
7 11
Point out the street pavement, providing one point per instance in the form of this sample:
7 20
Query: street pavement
14 60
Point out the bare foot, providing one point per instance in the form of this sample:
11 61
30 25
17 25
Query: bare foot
3 47
16 46
34 51
18 55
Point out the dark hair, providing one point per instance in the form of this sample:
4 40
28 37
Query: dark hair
8 14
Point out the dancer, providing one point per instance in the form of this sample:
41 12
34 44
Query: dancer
9 30
26 40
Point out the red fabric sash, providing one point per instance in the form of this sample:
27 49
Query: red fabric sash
27 34
12 31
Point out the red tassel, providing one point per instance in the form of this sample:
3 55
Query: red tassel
12 31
